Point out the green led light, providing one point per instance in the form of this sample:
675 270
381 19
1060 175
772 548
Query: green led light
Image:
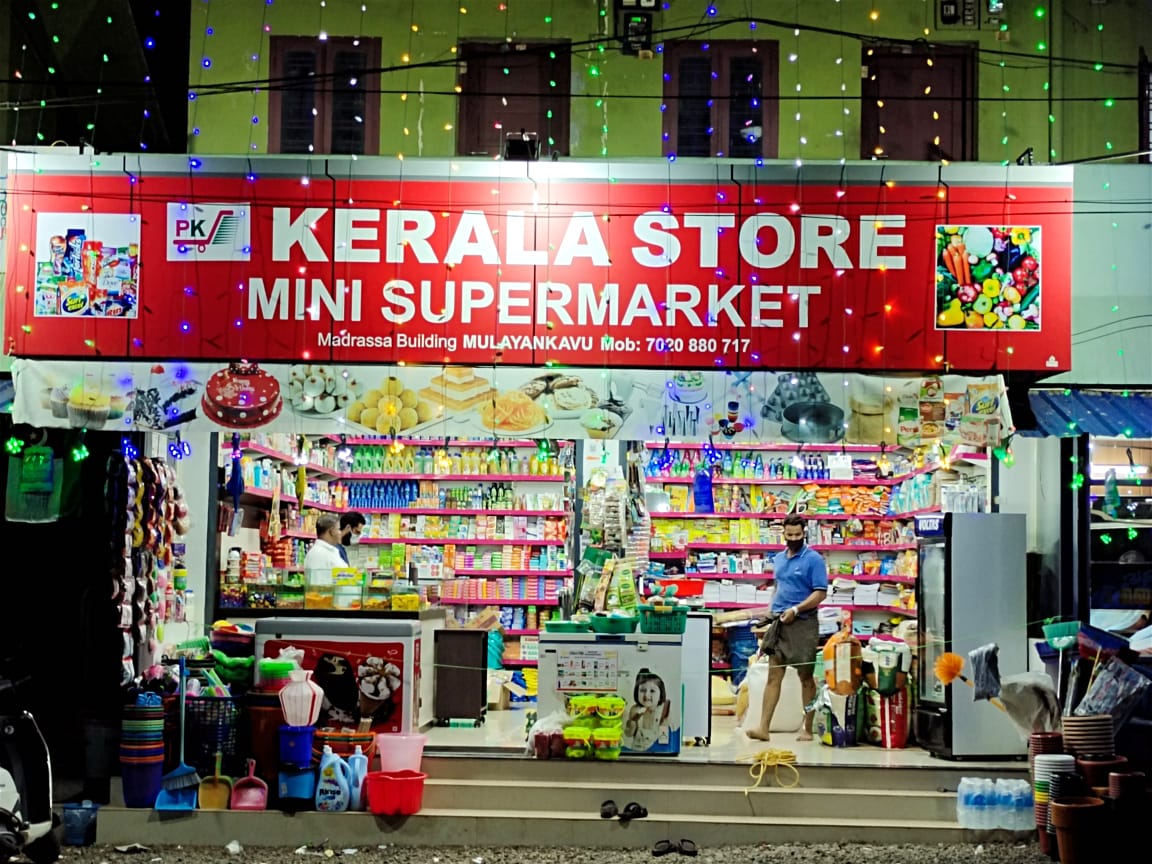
1108 103
1131 533
1105 539
505 70
549 114
1039 12
547 19
56 39
1041 46
1115 308
51 70
594 71
1099 27
1097 67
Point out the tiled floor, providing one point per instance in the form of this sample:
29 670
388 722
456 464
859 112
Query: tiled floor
504 733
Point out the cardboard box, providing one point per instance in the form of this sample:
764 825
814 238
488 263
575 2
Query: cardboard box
501 688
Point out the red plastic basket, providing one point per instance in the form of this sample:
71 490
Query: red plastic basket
395 793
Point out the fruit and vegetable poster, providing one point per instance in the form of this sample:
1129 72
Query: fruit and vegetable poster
866 268
509 402
988 277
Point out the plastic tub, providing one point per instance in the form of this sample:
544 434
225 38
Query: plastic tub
141 783
400 752
395 793
613 624
565 627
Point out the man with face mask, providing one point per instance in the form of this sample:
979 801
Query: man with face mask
351 526
801 578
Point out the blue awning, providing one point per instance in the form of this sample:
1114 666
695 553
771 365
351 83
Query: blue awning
1106 413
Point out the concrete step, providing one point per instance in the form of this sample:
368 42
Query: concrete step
544 828
942 776
724 802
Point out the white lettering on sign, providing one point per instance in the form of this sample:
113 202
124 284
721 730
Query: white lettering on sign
764 241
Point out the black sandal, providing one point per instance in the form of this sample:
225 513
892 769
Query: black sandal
608 810
687 847
632 810
664 847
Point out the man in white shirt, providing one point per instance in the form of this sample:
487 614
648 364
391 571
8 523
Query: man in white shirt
325 553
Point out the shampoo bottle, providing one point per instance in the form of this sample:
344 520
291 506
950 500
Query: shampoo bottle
358 770
333 786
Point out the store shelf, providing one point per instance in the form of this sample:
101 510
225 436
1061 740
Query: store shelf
336 474
521 632
517 662
253 493
434 511
488 574
776 547
832 517
852 607
735 577
459 541
223 612
497 601
758 447
794 481
433 442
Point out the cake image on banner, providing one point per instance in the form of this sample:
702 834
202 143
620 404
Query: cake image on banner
166 398
319 391
242 396
458 388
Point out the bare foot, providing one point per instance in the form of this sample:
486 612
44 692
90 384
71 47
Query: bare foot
804 735
758 734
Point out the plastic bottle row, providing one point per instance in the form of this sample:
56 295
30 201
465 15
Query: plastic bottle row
984 804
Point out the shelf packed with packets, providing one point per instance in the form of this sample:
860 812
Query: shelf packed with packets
447 527
497 588
386 458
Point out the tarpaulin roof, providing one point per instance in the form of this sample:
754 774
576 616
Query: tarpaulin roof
1107 413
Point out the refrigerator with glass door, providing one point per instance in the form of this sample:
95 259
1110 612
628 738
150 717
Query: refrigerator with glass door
971 591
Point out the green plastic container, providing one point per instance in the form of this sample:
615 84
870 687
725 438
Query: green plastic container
565 627
614 624
670 622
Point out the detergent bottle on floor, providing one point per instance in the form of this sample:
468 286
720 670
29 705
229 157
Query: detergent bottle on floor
333 788
358 770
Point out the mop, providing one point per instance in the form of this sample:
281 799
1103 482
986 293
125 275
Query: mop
950 666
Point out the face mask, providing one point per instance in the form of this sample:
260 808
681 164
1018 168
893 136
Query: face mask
795 545
353 539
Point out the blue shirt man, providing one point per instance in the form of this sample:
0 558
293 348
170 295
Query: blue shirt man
801 578
797 575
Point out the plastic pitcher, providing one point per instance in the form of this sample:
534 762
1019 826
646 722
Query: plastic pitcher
400 752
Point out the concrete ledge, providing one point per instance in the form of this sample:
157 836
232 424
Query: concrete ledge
483 828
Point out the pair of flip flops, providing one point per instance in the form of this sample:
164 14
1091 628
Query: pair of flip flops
632 810
667 847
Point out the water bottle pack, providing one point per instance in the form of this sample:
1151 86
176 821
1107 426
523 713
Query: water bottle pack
984 804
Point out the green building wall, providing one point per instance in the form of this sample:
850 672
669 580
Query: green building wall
1031 91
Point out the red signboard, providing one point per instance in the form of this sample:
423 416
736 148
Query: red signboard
865 278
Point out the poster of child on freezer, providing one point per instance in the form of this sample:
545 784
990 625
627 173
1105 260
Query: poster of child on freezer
652 719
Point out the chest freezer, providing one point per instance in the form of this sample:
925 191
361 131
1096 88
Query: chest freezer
368 668
644 670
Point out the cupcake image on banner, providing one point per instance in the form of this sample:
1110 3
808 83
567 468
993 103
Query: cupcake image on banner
89 400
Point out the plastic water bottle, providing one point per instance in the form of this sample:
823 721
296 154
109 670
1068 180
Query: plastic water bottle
984 804
1005 804
1025 817
964 802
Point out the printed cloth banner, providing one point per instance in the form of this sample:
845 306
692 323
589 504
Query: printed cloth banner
513 402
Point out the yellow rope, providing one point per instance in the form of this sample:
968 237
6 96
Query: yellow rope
773 759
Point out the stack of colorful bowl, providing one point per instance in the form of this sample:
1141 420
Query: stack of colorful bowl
1089 736
274 674
142 750
1044 765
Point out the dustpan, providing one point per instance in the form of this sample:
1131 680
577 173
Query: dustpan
216 790
250 793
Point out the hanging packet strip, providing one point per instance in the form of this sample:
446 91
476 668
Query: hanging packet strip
37 470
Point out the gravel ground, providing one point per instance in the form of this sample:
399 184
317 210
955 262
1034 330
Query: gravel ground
854 853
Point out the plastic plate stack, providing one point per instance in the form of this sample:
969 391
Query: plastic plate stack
1044 766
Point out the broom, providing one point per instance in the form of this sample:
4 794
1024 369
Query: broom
183 776
950 666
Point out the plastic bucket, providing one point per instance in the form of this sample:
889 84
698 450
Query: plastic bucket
395 793
297 783
400 752
296 746
264 721
141 782
80 823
